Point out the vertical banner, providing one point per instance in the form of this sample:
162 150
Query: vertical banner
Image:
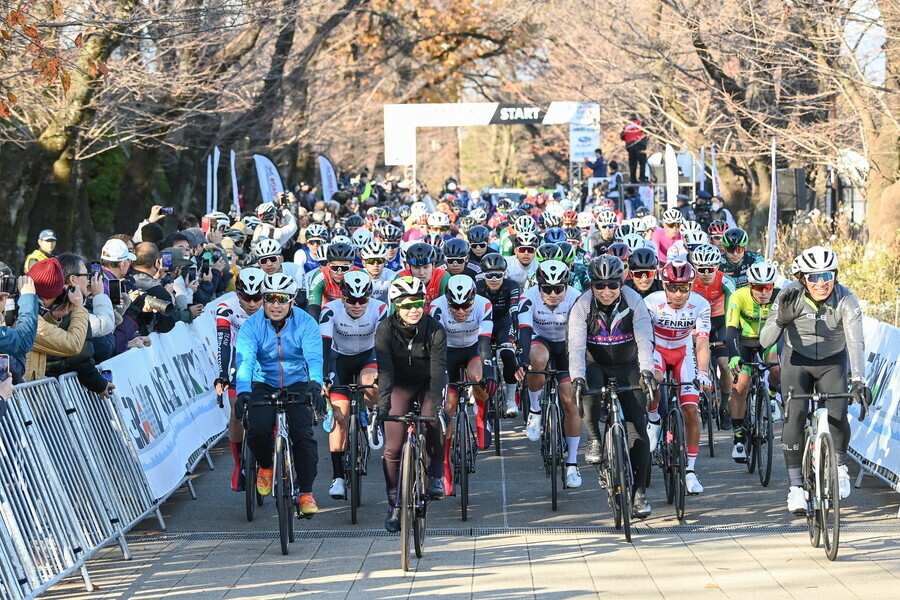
715 172
235 202
270 184
671 167
584 133
329 178
773 210
216 156
209 179
702 180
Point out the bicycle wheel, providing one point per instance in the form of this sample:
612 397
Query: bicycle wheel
750 423
463 442
621 481
829 496
407 502
715 400
282 505
250 493
679 463
764 438
553 430
354 466
608 477
421 505
669 456
811 488
497 401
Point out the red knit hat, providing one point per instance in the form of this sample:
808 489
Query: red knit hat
48 278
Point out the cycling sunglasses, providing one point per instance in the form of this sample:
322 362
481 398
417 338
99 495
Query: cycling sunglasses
683 288
553 289
643 274
277 298
391 245
374 261
410 304
606 285
716 238
456 261
315 242
352 300
478 246
525 249
820 277
736 250
340 268
762 287
250 297
494 275
267 260
707 270
464 306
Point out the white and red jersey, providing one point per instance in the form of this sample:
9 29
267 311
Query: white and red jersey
229 318
351 336
462 334
673 327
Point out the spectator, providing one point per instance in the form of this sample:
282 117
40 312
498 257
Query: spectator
97 303
115 261
719 212
188 221
16 340
156 215
684 207
636 145
599 164
145 268
46 249
184 282
129 241
58 302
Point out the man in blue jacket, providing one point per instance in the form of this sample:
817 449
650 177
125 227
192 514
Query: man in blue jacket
17 340
280 347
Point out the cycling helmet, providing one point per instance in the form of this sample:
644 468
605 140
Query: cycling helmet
435 239
354 222
606 268
643 259
266 212
479 215
573 234
406 287
678 271
356 284
619 250
524 223
795 268
478 235
634 241
690 226
278 283
694 237
418 208
639 227
360 238
317 231
405 212
548 252
623 230
641 212
340 251
718 227
220 218
460 289
673 215
527 238
235 235
607 203
342 239
456 248
554 235
570 217
549 221
251 222
515 214
373 249
250 280
650 221
438 219
505 205
420 254
569 253
606 217
553 272
391 233
735 238
555 208
706 255
762 273
584 220
338 230
465 224
493 261
267 247
527 207
817 259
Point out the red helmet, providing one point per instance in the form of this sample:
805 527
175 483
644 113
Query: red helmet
718 227
678 271
570 216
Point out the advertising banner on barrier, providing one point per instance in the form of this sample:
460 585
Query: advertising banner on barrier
878 437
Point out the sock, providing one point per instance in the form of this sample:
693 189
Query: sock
795 474
653 416
337 465
772 393
692 456
511 393
738 426
572 444
535 398
841 458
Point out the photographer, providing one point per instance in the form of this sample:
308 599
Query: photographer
115 261
213 273
152 305
157 214
280 228
16 340
97 303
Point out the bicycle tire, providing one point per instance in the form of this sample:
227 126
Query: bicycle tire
354 431
621 480
668 456
763 440
250 493
715 400
497 400
710 434
608 477
282 507
829 497
407 506
553 428
750 420
811 489
462 468
421 505
680 464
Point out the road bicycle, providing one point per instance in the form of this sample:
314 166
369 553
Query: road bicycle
552 437
464 446
252 497
671 450
356 457
760 436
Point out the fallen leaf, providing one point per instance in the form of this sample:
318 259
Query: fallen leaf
11 97
79 41
31 31
4 110
57 9
711 586
5 35
64 79
102 66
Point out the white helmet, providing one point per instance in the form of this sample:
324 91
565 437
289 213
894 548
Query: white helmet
266 212
694 237
267 247
249 280
525 223
606 217
795 267
706 255
762 273
460 289
279 283
438 219
555 208
357 284
584 220
404 287
316 231
640 226
342 239
817 259
221 218
479 215
650 221
417 209
634 241
360 238
527 238
553 272
373 249
673 215
690 226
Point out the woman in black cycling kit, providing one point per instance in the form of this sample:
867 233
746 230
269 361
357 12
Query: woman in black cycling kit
411 348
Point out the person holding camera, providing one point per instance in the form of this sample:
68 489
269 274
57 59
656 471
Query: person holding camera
98 304
17 339
278 222
152 304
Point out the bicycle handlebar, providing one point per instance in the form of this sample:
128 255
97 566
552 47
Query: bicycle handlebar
819 397
353 387
763 366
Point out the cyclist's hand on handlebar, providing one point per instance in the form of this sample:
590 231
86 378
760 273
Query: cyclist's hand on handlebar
221 385
443 420
648 382
491 386
863 395
703 380
243 401
735 364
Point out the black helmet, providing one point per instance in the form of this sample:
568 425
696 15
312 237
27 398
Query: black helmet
340 251
338 230
573 234
493 261
421 254
643 259
478 235
353 221
456 248
515 214
735 238
548 252
606 268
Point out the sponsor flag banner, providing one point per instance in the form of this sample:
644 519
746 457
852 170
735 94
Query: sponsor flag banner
235 200
773 210
209 180
715 172
270 184
329 178
215 178
671 167
702 180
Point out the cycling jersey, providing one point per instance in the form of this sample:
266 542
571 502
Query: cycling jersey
598 244
673 326
519 272
295 272
381 285
738 272
348 335
504 301
394 264
505 240
677 251
229 318
746 314
462 334
303 258
323 288
434 288
717 293
548 323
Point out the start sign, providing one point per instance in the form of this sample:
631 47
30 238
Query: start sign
507 114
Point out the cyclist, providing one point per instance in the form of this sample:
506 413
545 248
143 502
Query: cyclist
676 313
348 344
610 336
456 257
716 230
390 236
230 315
666 237
508 237
280 347
543 310
736 259
643 264
373 256
823 324
605 235
479 238
325 284
522 264
439 223
748 309
717 288
411 348
579 278
308 256
421 258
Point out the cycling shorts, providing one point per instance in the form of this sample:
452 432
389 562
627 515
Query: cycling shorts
459 358
503 332
345 367
751 353
559 356
717 334
680 361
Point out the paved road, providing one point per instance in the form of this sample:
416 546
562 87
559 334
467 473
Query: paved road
737 540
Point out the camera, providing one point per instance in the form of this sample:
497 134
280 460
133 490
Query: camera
160 306
703 212
8 285
167 210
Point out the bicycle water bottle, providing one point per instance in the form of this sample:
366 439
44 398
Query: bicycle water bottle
328 423
364 418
